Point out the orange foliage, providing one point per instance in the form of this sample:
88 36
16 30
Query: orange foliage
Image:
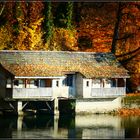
127 112
98 25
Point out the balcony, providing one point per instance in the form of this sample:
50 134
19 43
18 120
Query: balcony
24 93
105 92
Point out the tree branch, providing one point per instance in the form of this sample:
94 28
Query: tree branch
134 51
2 9
126 36
128 59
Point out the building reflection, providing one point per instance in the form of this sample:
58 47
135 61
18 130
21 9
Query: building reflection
80 126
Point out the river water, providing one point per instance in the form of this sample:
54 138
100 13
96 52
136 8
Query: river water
79 126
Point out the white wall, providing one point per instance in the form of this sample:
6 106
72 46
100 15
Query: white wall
87 89
61 90
97 106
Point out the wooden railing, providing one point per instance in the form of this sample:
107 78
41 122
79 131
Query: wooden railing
114 91
32 92
16 93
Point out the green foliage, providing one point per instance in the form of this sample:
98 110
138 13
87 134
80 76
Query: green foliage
132 99
60 15
48 22
16 28
64 13
69 14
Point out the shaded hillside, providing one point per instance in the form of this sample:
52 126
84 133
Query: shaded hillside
78 26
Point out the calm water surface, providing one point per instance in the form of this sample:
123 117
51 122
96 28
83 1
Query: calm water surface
82 126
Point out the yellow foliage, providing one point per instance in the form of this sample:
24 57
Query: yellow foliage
30 36
5 38
64 39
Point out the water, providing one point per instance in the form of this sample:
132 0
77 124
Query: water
80 126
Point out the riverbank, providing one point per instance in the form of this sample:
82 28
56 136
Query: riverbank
131 105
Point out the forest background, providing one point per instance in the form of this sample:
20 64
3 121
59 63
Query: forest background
75 26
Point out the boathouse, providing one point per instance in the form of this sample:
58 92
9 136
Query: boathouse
56 75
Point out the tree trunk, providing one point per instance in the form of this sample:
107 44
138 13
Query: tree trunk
116 29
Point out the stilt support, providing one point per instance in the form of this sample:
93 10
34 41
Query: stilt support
56 110
19 108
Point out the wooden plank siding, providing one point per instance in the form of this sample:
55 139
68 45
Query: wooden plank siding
114 91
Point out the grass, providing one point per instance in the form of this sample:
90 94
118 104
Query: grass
128 109
132 98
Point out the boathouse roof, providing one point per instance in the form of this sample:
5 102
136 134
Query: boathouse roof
59 63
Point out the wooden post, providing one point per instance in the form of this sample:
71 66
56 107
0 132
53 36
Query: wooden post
39 83
124 82
19 108
116 82
56 111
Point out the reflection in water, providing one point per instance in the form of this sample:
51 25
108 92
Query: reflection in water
86 126
100 126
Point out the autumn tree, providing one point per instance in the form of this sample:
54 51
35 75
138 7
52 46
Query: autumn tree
30 34
126 44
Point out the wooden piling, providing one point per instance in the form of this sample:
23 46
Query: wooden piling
56 109
19 108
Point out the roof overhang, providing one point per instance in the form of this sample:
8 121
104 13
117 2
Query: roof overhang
39 77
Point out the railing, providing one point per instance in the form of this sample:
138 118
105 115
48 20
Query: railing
61 92
32 92
16 93
115 91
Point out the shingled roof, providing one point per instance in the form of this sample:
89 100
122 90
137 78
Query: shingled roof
58 63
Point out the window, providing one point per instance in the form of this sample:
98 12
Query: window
57 83
87 83
107 81
36 83
32 82
45 82
121 82
113 82
96 81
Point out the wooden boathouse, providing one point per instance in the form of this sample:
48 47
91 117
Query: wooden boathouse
27 76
